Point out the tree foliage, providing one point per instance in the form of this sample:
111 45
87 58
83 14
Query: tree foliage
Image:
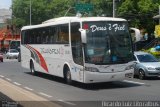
46 9
41 10
138 12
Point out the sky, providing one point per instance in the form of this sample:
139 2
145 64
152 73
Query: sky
5 4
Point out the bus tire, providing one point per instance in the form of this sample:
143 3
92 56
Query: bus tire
32 68
67 76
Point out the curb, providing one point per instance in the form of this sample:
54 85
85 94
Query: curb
23 97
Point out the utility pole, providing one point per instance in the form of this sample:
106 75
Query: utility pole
159 14
12 13
113 8
11 26
78 13
30 12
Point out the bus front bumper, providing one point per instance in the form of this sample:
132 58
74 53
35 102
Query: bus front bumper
95 77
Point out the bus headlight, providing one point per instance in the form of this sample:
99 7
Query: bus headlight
91 69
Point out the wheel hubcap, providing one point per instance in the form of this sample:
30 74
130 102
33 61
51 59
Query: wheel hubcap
141 75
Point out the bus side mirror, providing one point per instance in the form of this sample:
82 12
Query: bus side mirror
83 35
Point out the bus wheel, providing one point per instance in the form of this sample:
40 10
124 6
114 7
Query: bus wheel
32 68
67 76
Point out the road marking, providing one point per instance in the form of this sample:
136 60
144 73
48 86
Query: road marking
16 83
1 76
67 102
8 79
46 95
30 89
134 82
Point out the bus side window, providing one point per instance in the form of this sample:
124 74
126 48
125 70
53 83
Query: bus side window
47 35
76 43
43 37
53 35
23 37
56 34
26 37
47 39
63 34
38 36
29 37
63 37
51 39
38 39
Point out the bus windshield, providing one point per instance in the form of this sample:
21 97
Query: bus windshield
107 42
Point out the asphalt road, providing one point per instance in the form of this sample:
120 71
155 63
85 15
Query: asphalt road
80 95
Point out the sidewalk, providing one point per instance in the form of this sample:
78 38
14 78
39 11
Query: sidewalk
19 97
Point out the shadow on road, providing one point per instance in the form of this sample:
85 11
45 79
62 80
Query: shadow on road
150 78
105 85
91 86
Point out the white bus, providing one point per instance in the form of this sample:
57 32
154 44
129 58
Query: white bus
83 49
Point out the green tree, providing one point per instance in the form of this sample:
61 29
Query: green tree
140 13
46 9
41 10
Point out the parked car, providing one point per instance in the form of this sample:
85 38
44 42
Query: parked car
1 56
12 53
146 65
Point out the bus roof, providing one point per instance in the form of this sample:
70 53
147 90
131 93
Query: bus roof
63 20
